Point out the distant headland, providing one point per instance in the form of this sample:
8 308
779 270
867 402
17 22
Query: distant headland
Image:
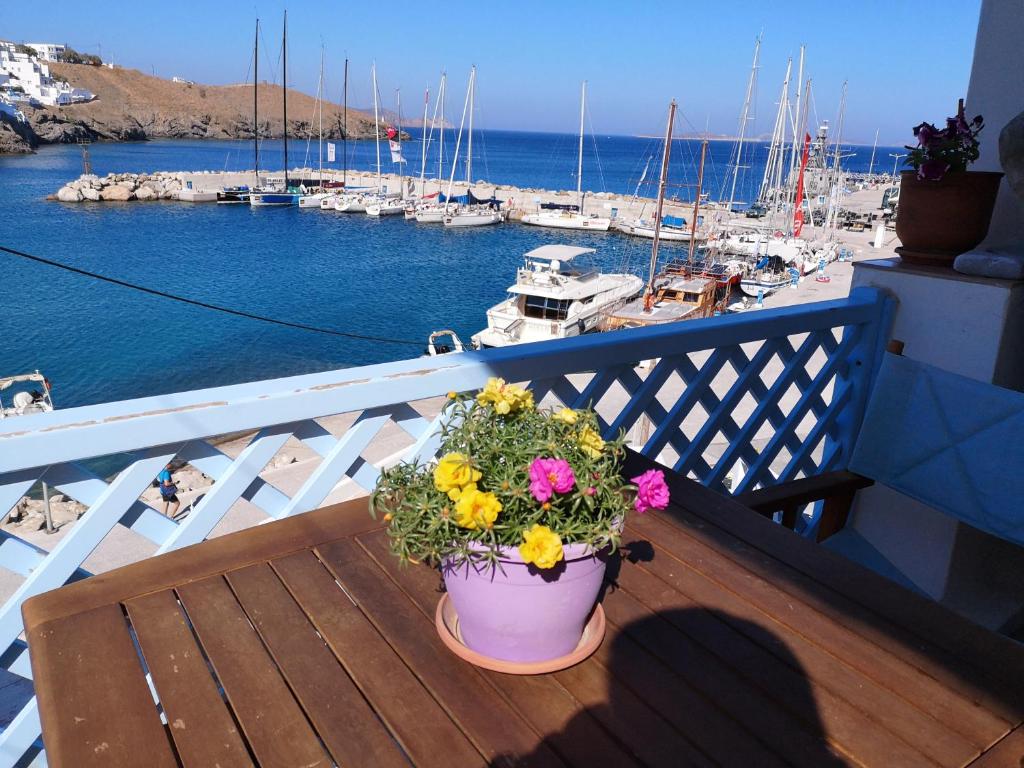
133 106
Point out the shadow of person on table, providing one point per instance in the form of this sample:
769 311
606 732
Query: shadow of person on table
682 687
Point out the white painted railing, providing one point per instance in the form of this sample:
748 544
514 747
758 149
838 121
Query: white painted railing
737 402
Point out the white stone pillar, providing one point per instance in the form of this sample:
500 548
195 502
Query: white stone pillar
996 91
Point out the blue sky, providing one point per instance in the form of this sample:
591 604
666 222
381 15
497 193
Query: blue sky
905 62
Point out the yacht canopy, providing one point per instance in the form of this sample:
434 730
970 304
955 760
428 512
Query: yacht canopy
558 252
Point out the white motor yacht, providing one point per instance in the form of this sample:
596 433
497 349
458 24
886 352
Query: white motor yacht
555 296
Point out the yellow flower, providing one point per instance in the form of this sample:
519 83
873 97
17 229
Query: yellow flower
541 546
506 398
566 416
476 509
453 472
591 442
452 395
456 493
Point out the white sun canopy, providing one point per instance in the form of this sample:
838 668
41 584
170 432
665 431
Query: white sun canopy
558 252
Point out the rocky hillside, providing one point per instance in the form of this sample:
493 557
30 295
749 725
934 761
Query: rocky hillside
133 106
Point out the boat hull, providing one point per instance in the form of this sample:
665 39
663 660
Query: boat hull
575 221
472 219
267 199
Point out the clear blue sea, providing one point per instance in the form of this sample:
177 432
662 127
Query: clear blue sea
98 342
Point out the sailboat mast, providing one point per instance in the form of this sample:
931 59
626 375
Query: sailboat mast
320 99
440 141
833 208
662 183
398 135
469 143
874 146
344 131
423 144
284 63
743 122
376 121
794 155
255 104
775 152
458 140
696 202
579 164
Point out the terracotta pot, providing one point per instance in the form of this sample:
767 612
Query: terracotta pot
938 220
516 612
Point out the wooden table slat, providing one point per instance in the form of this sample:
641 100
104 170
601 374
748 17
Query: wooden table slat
793 671
981 665
782 733
569 729
1008 752
209 558
346 724
271 719
424 729
108 716
476 707
203 730
827 619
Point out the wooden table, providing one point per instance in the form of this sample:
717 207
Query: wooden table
730 641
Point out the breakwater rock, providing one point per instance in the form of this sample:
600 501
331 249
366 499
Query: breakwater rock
121 187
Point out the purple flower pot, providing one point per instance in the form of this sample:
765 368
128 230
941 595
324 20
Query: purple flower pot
517 612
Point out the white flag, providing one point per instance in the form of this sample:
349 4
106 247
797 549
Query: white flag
330 152
396 152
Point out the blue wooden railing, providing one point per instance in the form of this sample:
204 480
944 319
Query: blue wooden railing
738 402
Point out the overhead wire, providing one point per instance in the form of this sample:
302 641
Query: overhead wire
207 305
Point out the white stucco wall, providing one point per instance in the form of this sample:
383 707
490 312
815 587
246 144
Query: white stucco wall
996 92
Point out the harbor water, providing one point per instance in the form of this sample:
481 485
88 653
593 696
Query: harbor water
381 277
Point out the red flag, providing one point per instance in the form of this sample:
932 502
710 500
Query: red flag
798 216
392 132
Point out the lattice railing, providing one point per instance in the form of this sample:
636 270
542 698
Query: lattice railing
737 402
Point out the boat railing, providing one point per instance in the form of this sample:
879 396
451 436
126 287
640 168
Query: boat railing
737 402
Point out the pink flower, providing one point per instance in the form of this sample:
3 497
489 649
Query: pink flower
549 476
590 491
651 491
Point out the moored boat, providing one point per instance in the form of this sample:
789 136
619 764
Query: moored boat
555 296
233 195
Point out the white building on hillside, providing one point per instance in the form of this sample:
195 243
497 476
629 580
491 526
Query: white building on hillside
48 51
24 78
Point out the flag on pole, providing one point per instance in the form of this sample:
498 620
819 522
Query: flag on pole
330 152
396 152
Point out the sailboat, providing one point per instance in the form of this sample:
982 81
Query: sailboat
388 205
471 213
330 202
668 296
240 194
433 212
277 196
571 216
315 199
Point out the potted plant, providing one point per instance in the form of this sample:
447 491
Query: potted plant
944 209
520 514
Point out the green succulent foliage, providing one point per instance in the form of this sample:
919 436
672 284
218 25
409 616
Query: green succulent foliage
421 519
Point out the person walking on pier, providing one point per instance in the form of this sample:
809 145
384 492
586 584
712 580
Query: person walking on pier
168 492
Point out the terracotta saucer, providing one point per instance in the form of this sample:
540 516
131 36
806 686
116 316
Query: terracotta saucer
447 623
